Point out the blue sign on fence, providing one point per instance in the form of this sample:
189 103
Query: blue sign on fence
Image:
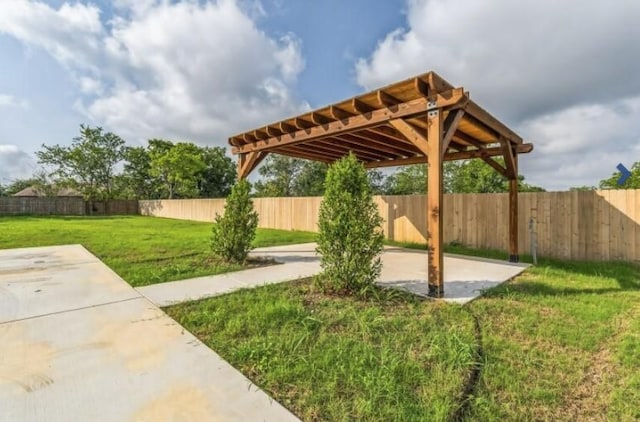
624 174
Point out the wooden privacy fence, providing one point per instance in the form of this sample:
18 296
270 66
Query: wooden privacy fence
65 206
590 225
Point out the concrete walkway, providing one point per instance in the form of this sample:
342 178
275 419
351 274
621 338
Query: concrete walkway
465 277
79 344
296 261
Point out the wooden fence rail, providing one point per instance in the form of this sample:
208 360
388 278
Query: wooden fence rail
590 225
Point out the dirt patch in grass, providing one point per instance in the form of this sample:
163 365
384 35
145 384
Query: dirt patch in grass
587 401
590 399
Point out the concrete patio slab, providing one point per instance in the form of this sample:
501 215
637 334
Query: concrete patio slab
119 360
465 277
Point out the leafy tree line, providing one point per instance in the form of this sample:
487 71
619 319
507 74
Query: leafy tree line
286 176
101 166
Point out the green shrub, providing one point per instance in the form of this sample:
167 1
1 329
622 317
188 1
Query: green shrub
350 238
234 231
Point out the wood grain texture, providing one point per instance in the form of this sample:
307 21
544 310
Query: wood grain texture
590 225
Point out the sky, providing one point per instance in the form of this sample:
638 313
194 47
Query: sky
564 75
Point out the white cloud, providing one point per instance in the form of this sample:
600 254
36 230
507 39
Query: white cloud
570 65
163 69
14 163
581 145
71 33
91 86
11 101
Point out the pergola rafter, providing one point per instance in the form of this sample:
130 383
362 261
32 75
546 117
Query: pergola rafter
419 120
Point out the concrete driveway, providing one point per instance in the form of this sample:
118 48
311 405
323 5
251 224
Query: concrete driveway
79 344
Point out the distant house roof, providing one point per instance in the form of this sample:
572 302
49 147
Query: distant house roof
33 191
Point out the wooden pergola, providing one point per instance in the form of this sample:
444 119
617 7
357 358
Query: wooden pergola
419 120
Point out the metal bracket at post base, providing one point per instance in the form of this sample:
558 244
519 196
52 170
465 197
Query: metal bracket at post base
514 258
435 291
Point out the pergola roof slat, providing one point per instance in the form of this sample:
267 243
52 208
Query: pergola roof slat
357 145
383 143
370 123
335 145
404 110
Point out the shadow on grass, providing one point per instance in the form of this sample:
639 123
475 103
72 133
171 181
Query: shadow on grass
626 275
538 289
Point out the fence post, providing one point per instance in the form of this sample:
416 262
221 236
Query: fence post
532 236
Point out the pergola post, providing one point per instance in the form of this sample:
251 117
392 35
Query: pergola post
434 204
513 214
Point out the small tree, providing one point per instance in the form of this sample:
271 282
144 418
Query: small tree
234 231
89 164
350 238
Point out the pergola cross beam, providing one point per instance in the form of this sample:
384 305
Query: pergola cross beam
362 121
450 127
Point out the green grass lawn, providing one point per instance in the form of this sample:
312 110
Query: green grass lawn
560 342
142 250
